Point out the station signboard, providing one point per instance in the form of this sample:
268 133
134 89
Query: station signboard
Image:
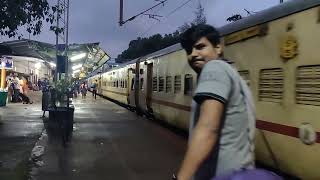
6 61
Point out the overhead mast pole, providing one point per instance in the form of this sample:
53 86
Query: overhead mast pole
121 13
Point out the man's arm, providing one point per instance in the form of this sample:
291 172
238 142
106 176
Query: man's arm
204 138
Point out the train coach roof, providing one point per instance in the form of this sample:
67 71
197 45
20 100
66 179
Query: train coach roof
121 65
162 52
267 15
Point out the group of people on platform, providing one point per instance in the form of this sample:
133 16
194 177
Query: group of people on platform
18 89
83 88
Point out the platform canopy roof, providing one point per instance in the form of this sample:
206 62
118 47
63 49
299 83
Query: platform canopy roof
89 55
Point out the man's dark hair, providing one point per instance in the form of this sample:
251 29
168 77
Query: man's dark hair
193 34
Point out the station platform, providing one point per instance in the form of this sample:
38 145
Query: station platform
108 142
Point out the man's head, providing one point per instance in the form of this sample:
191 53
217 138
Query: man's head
202 44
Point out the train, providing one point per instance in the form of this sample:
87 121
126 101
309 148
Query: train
276 53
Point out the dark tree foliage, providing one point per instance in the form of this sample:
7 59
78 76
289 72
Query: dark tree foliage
200 16
234 18
143 46
17 13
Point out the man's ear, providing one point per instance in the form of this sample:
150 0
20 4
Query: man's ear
219 49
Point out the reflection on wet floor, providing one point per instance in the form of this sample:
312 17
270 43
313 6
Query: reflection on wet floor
107 142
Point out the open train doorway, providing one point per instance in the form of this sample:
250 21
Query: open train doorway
149 87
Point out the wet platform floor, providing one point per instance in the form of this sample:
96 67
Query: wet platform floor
108 142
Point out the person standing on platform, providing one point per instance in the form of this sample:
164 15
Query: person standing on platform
94 89
16 88
83 89
223 115
10 88
39 85
24 91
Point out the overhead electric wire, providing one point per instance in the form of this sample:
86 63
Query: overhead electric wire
133 17
178 8
169 14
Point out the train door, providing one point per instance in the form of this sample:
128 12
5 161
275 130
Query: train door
130 88
149 87
136 87
142 87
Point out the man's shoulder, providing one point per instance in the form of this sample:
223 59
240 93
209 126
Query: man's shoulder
214 70
218 63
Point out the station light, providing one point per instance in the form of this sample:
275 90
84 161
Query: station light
76 66
76 71
37 65
77 57
52 64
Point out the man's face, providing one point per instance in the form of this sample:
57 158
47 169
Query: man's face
202 52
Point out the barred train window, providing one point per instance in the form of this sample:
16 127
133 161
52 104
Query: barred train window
132 84
271 85
308 85
188 84
177 84
141 83
168 84
245 76
161 84
154 84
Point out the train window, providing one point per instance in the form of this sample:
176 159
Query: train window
161 84
188 84
245 76
125 84
168 84
117 85
141 71
154 84
141 83
308 85
114 83
177 84
271 85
